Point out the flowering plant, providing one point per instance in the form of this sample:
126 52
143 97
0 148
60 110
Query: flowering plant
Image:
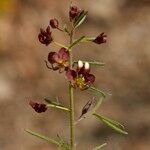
78 73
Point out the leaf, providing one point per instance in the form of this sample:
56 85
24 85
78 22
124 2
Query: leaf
100 146
76 42
99 92
80 19
112 124
93 63
42 137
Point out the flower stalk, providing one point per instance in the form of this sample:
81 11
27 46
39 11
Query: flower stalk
71 96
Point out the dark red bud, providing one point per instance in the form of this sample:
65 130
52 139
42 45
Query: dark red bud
54 23
73 13
38 107
45 36
100 39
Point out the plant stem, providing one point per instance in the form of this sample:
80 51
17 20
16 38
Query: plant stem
72 135
58 107
72 126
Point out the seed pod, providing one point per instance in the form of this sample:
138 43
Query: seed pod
86 108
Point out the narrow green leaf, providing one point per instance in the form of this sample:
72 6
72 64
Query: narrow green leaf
100 146
99 92
42 137
113 122
80 19
92 63
110 124
76 42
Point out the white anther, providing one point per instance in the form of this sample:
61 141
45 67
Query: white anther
87 65
80 64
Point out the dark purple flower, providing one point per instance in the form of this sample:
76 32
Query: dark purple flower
45 36
74 12
80 77
100 39
38 107
54 23
59 61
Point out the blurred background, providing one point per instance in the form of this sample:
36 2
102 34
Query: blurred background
24 77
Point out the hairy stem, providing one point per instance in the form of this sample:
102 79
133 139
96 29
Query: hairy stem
72 127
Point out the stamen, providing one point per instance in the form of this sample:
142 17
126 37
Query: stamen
87 65
80 64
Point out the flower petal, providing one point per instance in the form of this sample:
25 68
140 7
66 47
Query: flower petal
63 54
83 71
71 75
57 58
51 57
89 78
48 30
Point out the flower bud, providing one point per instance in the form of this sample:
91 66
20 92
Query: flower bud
87 66
38 107
54 23
80 64
45 36
74 12
100 39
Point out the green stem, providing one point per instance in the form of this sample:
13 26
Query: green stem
72 126
58 107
